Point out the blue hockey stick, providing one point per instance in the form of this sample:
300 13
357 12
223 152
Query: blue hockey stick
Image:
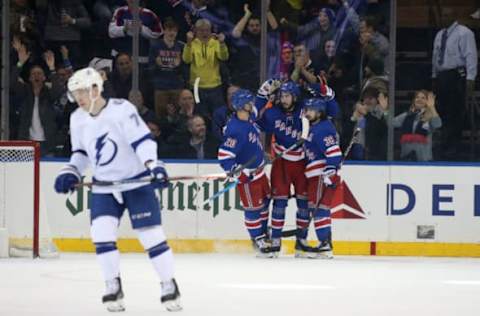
232 185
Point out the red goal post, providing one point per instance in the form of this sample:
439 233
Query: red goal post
20 172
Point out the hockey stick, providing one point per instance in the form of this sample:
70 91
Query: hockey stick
356 132
230 175
196 94
212 176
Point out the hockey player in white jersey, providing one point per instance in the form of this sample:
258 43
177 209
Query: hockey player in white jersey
111 138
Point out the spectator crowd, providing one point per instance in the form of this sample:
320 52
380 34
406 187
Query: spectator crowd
216 43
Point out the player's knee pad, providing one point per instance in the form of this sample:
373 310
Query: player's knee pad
153 240
104 229
280 203
321 213
302 203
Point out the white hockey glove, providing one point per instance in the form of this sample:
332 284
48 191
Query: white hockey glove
268 87
330 177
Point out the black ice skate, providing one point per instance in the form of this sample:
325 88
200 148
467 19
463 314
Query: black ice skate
276 246
171 296
303 250
113 297
262 248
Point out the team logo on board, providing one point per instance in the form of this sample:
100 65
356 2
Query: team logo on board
345 205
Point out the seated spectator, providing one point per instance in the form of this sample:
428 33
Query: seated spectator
170 121
358 118
223 114
136 98
186 103
121 79
164 150
376 130
65 19
326 56
104 68
165 61
204 52
199 144
374 76
122 26
417 126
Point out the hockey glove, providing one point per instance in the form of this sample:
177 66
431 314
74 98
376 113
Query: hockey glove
67 179
245 178
242 177
159 174
268 87
330 177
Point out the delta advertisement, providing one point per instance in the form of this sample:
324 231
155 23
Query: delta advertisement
375 203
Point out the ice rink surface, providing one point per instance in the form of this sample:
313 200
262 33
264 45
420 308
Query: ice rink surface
234 285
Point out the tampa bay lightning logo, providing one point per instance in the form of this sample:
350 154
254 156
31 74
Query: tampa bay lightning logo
105 147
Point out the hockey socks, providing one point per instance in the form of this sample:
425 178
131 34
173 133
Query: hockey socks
108 257
322 222
278 220
253 222
264 220
154 241
303 220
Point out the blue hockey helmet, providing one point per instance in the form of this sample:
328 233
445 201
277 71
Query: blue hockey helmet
318 105
240 98
290 87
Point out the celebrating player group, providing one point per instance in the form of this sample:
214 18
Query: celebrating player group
307 156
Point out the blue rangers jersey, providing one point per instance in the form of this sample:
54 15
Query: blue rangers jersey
241 142
287 127
116 143
321 149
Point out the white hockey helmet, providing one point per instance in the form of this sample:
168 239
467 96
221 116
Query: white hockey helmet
84 78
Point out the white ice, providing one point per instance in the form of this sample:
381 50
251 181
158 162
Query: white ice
241 285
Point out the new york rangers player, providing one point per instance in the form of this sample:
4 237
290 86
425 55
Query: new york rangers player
111 138
323 160
284 123
242 144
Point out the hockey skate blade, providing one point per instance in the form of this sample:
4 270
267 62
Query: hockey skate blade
115 306
305 255
264 255
173 305
324 255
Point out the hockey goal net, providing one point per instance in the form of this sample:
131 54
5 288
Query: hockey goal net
24 229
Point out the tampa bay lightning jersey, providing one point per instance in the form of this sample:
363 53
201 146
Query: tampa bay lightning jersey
322 149
110 141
